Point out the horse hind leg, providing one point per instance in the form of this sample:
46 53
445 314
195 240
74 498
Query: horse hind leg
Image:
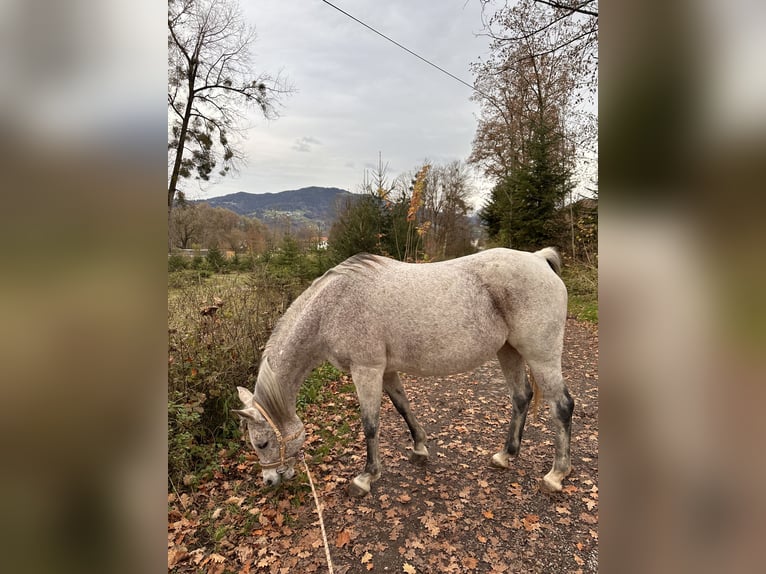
520 390
395 391
561 404
368 384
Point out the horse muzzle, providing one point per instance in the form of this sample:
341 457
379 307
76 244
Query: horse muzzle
273 477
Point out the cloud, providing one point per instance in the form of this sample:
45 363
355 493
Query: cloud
305 143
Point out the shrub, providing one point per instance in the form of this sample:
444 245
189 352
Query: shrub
197 262
215 260
210 355
177 262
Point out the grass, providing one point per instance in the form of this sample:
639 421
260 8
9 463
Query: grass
582 284
584 308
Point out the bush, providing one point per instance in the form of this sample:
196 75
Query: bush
197 262
215 260
177 262
210 355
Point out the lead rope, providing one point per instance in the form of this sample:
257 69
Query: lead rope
321 520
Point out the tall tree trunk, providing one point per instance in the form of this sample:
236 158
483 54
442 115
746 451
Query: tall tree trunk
172 186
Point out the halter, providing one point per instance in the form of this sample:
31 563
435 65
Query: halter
281 465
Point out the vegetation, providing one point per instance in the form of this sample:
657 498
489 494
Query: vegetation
533 128
581 280
417 217
220 315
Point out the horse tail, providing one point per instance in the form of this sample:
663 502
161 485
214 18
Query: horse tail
535 395
551 255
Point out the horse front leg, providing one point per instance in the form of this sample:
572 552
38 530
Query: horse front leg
395 391
369 389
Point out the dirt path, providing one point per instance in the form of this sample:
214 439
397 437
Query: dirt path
456 514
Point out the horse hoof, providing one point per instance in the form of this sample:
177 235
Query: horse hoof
500 460
417 458
357 489
550 485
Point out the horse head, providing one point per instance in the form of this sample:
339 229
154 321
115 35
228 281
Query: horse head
277 449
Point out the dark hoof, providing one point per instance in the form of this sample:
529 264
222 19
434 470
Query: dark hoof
418 459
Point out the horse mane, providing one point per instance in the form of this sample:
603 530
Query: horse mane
271 393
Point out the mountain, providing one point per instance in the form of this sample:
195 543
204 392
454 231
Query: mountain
307 206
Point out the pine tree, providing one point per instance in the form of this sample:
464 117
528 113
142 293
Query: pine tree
523 210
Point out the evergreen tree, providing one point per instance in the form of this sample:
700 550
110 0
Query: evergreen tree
356 228
523 211
539 185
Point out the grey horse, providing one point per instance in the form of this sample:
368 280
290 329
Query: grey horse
374 317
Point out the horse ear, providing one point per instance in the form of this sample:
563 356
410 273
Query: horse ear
245 396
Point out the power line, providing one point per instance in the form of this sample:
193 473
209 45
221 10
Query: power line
382 35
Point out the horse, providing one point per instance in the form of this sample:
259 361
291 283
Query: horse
374 317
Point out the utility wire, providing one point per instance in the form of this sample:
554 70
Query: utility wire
442 70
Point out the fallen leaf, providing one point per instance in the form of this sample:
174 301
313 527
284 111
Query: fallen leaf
488 514
366 558
470 562
217 558
409 569
579 560
176 555
344 537
531 522
589 518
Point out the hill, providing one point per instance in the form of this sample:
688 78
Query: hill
307 206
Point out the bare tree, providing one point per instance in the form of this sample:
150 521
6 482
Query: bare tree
186 224
445 205
211 80
573 23
532 81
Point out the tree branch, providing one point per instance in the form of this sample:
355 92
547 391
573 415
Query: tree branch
557 46
578 8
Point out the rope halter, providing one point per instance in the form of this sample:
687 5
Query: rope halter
281 464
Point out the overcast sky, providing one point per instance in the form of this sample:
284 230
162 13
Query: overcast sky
358 94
